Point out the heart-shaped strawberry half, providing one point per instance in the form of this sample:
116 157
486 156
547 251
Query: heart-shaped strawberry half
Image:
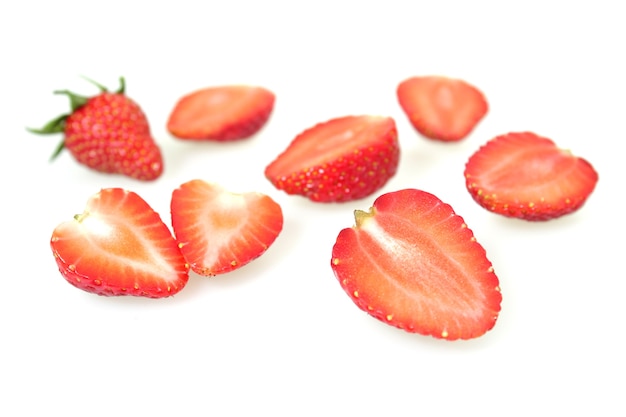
119 246
219 231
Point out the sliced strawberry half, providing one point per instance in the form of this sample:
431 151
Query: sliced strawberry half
219 231
527 176
442 108
413 263
119 246
222 113
343 159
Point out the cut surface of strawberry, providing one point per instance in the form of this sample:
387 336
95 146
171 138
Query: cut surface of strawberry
222 113
413 263
442 108
342 159
219 231
526 176
119 246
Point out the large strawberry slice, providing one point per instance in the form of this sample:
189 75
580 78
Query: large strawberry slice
221 113
442 108
413 263
219 231
119 246
343 159
527 176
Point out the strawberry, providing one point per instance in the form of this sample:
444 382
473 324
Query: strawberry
343 159
441 108
219 231
413 263
119 246
527 176
109 133
221 113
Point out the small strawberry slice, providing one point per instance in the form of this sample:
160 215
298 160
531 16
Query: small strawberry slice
343 159
527 176
222 113
119 246
219 231
413 263
442 108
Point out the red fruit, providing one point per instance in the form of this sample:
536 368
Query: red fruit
343 159
119 246
442 108
527 176
219 231
412 263
109 133
221 113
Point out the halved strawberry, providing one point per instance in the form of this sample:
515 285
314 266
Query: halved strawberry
343 159
219 231
119 246
221 113
527 176
413 263
442 108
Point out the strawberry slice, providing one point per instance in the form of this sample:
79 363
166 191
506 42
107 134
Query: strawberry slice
343 159
219 231
119 246
442 108
412 263
221 113
527 176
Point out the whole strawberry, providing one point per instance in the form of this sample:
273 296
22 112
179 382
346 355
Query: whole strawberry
109 133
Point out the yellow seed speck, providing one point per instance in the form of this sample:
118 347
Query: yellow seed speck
335 261
389 317
356 294
444 334
233 263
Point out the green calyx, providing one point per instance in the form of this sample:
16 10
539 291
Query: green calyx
57 125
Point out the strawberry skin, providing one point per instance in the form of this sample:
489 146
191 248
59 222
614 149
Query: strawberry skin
442 108
526 176
222 113
109 133
412 263
342 159
119 246
219 231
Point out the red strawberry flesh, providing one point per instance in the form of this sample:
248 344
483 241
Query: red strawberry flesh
220 231
442 108
221 113
412 263
119 246
343 159
527 176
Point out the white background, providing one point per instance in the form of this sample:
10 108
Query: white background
279 336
